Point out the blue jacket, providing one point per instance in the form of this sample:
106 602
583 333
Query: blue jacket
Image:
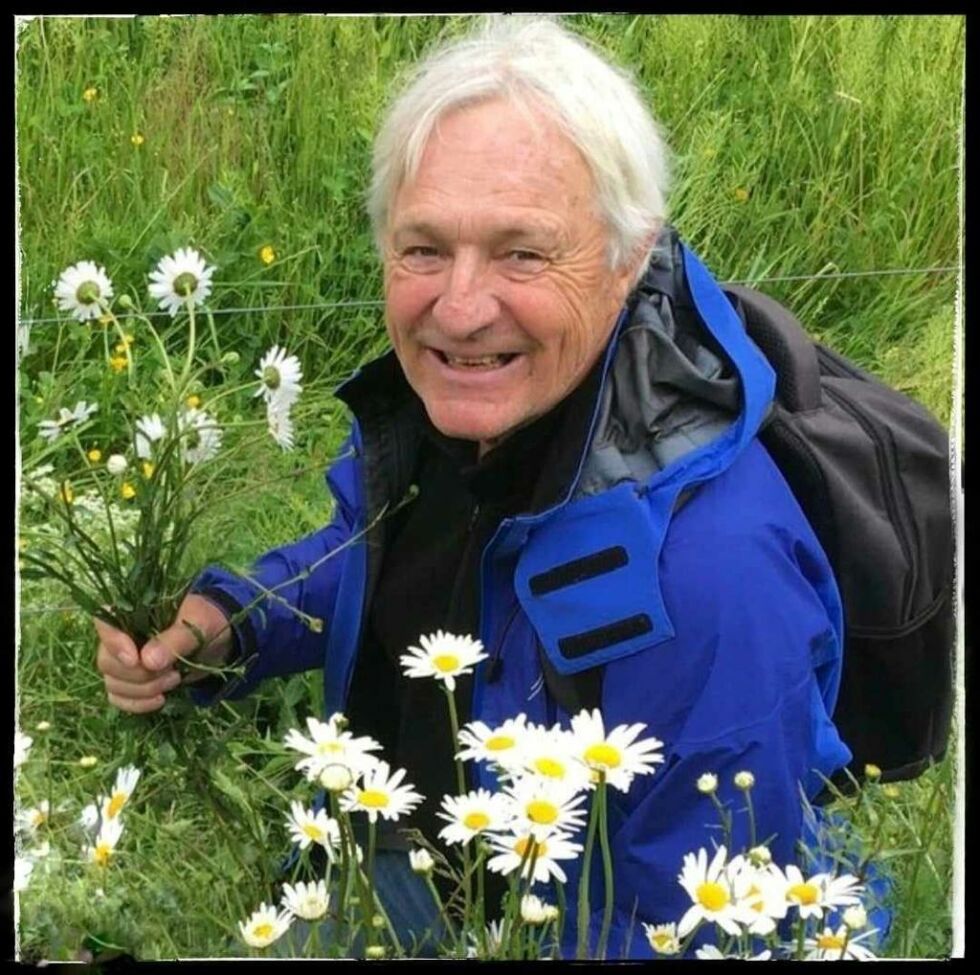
717 621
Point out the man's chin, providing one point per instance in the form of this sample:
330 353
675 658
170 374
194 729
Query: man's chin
451 421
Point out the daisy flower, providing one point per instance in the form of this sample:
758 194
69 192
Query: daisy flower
832 945
50 430
279 378
200 435
421 861
535 911
82 411
126 779
89 818
500 745
30 820
443 656
22 745
308 901
307 827
713 953
105 842
548 851
476 812
541 806
550 753
495 937
181 279
710 889
381 794
149 429
280 425
82 290
265 926
617 754
662 938
759 894
822 891
328 747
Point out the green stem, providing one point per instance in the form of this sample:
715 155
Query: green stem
450 930
607 870
560 926
461 788
582 945
369 873
191 343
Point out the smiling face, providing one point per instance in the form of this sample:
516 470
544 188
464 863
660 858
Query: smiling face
498 294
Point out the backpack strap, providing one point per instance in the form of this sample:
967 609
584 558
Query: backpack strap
785 343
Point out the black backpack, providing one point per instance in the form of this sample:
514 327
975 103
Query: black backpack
870 469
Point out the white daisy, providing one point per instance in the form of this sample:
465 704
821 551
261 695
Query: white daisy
22 873
126 779
476 812
279 378
542 805
329 748
82 290
22 745
707 783
30 820
759 895
308 901
82 410
830 945
116 464
200 436
50 430
105 842
381 794
550 753
534 910
820 892
617 753
443 656
89 818
710 889
713 953
662 938
499 746
280 425
307 826
149 429
421 861
265 926
495 937
548 851
181 279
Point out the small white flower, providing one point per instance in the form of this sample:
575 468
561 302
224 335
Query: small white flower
712 953
476 812
443 656
708 783
617 754
265 926
308 901
82 411
89 818
494 938
82 290
855 917
126 779
22 745
710 889
499 746
546 853
50 430
744 780
759 894
421 861
181 280
149 429
116 464
307 826
551 753
30 820
337 778
662 938
39 852
280 425
279 378
838 945
332 752
22 873
820 892
381 794
200 436
533 910
543 805
105 842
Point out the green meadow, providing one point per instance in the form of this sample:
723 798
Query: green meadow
815 157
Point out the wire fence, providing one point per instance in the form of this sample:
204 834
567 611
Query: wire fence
329 305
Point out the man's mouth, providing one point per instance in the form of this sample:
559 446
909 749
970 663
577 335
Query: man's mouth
481 363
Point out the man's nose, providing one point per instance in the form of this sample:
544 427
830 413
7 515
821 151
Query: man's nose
467 302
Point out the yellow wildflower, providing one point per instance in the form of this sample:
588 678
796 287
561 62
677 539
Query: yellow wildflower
137 139
90 94
127 490
891 791
67 494
872 772
105 318
128 338
193 401
266 254
87 761
118 363
147 469
741 194
94 455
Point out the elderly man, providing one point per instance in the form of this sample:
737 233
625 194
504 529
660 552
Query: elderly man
577 404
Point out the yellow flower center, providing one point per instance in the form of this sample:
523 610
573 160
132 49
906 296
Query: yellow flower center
193 401
329 748
712 896
550 767
603 754
754 897
662 939
499 743
803 893
39 818
102 853
262 931
116 803
147 469
374 799
446 663
476 820
830 941
313 832
267 255
94 455
520 847
541 812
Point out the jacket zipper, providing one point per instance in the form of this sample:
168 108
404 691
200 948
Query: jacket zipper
898 512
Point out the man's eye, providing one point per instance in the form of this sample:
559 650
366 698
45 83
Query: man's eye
525 256
420 250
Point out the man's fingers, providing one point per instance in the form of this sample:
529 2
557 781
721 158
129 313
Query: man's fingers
155 687
163 649
135 705
117 643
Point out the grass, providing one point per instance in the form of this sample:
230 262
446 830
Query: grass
803 146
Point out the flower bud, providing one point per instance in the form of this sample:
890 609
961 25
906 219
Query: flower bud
116 464
872 773
421 861
336 778
374 951
855 917
230 359
124 302
377 921
87 761
759 856
708 783
744 780
43 726
532 910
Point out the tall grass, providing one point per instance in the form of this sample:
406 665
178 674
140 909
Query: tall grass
802 146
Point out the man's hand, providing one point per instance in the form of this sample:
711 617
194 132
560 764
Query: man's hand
137 680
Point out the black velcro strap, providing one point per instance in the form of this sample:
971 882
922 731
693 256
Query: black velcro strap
604 636
578 570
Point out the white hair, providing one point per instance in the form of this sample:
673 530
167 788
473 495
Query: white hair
533 62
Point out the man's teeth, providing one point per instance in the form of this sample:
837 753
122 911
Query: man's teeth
478 362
